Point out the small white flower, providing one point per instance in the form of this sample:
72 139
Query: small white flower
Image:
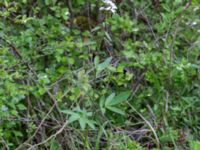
194 23
196 8
110 6
4 108
66 13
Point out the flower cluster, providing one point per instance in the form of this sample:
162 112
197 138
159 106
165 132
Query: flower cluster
109 6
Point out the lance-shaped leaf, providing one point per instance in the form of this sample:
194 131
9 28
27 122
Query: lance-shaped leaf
121 97
116 110
103 65
109 99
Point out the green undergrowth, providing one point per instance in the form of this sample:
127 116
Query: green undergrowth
74 77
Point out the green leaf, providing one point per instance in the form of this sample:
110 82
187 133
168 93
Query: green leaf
96 61
73 118
109 99
67 112
55 145
101 104
108 36
82 123
123 96
195 145
47 2
91 123
116 110
103 65
21 107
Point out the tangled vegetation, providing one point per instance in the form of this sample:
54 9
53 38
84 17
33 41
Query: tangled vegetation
94 75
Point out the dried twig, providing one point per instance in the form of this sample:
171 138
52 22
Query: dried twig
148 123
49 138
186 7
36 131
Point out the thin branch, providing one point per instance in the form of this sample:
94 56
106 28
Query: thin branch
186 7
49 138
148 123
36 131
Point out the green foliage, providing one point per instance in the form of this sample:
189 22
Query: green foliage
111 101
102 66
194 145
80 115
54 145
67 61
